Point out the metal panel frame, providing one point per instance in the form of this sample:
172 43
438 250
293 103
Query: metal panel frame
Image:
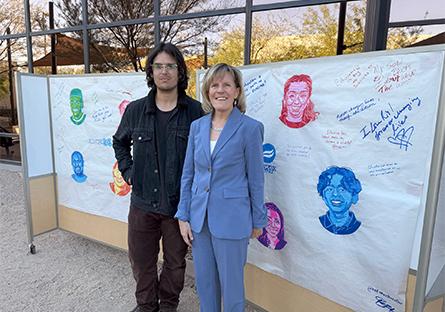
26 188
432 200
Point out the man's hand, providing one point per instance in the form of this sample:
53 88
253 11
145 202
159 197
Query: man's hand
186 232
256 233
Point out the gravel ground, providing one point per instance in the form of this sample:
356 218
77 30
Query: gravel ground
68 272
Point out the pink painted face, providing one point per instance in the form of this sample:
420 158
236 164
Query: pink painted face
273 222
122 106
296 100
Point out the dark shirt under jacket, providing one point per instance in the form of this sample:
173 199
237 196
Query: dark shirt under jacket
161 128
137 129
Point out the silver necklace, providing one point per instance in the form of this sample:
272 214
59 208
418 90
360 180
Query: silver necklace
217 129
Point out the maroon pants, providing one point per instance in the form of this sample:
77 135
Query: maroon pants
145 229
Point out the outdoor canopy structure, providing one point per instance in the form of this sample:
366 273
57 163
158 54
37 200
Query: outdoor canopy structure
71 183
69 51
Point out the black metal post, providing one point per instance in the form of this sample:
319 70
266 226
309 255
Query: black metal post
53 39
206 65
341 28
86 38
13 119
248 32
157 13
376 27
28 36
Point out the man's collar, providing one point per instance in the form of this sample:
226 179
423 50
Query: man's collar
150 103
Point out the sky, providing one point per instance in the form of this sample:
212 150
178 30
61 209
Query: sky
404 10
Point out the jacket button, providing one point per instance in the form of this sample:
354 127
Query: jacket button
209 169
155 205
156 170
207 189
155 190
139 138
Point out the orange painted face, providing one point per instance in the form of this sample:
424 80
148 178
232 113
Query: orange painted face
117 177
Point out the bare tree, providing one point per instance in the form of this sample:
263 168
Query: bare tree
131 41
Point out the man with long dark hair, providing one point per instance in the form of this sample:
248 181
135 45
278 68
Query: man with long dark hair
157 127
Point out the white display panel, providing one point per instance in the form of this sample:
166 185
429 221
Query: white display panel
86 113
373 117
36 125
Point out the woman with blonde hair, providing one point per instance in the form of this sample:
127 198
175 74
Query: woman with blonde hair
222 190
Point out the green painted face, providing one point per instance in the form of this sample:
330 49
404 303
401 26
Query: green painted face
76 103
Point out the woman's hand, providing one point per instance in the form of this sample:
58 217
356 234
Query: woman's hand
256 233
186 232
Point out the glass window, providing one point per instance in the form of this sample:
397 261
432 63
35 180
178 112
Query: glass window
67 13
173 7
9 140
120 49
403 37
107 11
12 15
407 10
256 2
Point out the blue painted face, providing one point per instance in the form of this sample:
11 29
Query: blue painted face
77 163
337 197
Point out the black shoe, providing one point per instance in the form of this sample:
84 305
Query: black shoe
140 309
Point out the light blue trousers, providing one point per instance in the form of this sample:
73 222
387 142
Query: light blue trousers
219 270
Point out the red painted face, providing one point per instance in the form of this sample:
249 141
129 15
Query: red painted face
296 100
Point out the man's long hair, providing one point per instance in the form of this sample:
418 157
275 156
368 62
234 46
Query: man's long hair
174 52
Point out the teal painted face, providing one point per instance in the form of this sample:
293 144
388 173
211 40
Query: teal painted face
76 103
337 197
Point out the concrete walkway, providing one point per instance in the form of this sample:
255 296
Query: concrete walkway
68 272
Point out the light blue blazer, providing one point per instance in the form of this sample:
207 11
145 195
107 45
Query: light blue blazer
227 184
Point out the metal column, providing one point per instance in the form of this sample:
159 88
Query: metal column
376 27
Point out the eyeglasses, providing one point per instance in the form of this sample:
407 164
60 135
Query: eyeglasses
167 67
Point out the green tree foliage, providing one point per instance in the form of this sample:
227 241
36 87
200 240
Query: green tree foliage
321 23
271 42
282 39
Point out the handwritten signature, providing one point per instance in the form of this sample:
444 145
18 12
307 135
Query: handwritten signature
402 138
380 302
393 121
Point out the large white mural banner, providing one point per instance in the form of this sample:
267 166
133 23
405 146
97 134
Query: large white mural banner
86 112
348 144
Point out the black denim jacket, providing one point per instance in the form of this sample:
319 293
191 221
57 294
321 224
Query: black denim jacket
137 129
